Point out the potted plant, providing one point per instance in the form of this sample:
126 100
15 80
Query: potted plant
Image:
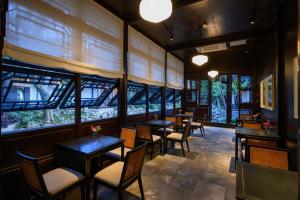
96 130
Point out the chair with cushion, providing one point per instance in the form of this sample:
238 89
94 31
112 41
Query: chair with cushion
252 125
51 185
198 125
179 137
129 137
190 118
121 175
169 129
145 135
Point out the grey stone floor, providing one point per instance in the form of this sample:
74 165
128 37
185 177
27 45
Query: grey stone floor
202 175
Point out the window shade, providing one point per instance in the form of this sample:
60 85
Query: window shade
146 60
77 35
175 72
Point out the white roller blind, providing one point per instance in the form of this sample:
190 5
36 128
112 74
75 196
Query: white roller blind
77 35
146 60
175 72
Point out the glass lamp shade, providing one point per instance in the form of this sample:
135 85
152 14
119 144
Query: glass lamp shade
155 10
213 73
200 59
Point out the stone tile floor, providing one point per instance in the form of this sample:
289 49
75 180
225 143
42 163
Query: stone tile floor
202 175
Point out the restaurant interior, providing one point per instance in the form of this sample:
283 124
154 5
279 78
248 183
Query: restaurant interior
150 99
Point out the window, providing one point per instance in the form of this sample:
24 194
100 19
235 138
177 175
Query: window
178 99
136 99
169 99
175 72
203 97
234 98
218 99
154 99
245 89
31 97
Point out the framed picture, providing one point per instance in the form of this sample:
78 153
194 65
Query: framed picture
267 90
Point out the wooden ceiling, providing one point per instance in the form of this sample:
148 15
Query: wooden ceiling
225 20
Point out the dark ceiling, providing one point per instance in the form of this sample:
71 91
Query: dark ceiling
226 20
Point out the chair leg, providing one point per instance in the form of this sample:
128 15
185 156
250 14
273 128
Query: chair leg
120 196
182 148
160 146
203 130
82 190
141 187
187 144
152 149
95 190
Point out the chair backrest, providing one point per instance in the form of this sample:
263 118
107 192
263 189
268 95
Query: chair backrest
275 158
30 169
179 121
172 119
245 116
187 130
133 164
129 136
252 125
144 132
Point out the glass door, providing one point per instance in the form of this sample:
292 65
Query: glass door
219 99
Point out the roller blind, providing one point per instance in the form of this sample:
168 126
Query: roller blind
175 72
77 35
146 60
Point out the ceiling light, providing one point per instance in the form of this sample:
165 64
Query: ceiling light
213 73
155 10
200 59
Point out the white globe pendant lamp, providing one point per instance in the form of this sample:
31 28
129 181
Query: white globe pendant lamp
155 10
213 73
200 59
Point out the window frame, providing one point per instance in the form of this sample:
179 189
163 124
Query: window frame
136 99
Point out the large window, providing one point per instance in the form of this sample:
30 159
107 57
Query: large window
154 99
169 99
245 89
31 97
219 99
234 98
136 99
203 97
178 103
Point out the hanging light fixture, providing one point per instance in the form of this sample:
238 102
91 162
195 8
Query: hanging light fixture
200 59
213 73
155 10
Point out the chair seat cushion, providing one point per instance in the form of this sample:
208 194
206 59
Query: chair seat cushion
111 175
60 179
117 151
169 130
156 138
175 136
185 121
196 124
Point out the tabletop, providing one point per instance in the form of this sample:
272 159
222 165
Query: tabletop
258 182
160 123
91 145
183 115
256 133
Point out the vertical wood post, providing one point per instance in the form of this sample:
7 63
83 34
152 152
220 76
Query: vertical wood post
123 81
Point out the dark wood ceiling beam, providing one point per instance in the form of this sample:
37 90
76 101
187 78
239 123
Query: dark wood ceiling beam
223 38
177 4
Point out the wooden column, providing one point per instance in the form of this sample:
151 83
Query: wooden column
163 92
147 101
123 81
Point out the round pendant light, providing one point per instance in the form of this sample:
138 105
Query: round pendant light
213 73
200 59
155 10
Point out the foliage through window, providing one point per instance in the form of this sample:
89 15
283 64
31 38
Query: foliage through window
169 99
246 89
219 99
178 99
136 99
234 98
31 97
203 97
154 99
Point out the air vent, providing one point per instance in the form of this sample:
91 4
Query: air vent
238 43
212 48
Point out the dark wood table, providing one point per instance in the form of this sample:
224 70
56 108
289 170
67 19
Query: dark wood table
161 124
257 182
88 148
260 134
183 115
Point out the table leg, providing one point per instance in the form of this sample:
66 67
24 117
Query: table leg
87 178
165 138
236 149
122 152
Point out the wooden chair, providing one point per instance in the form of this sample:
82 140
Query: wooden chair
252 125
179 126
198 125
121 175
245 117
129 137
179 137
169 129
145 135
51 185
187 120
269 157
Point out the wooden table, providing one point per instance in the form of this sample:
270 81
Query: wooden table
183 115
161 124
88 148
258 134
255 182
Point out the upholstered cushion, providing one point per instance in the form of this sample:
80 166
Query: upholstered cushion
170 130
175 136
117 151
156 138
197 124
185 120
60 179
112 174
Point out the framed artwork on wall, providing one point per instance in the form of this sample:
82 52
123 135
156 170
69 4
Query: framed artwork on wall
267 93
